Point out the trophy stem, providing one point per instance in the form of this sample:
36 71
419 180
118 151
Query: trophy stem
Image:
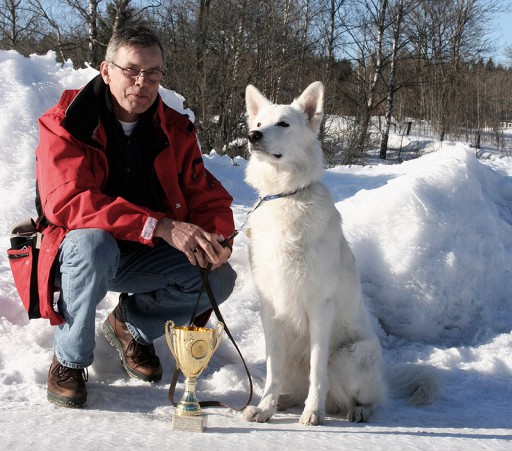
188 405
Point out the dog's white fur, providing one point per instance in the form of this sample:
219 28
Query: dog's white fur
320 346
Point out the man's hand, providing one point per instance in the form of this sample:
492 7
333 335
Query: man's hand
199 246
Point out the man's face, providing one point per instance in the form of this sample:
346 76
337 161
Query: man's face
132 96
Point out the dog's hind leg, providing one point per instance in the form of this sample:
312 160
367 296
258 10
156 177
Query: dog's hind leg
356 382
320 326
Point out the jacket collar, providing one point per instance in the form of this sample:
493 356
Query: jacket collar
84 113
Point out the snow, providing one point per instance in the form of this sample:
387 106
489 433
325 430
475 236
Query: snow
433 242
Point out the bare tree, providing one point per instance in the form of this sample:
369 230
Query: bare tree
47 16
391 58
121 11
17 24
399 10
100 18
125 12
452 35
89 11
376 29
92 23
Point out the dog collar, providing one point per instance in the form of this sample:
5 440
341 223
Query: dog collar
274 197
267 198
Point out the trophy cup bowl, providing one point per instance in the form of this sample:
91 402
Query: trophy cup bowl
192 347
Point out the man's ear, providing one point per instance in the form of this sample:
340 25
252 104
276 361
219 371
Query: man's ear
104 71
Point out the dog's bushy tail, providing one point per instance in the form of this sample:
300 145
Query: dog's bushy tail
419 384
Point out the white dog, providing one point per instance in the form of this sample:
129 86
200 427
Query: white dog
320 346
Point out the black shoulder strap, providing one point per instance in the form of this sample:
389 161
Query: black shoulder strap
41 218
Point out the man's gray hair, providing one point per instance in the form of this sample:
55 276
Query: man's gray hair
132 36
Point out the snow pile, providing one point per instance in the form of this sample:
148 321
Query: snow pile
433 242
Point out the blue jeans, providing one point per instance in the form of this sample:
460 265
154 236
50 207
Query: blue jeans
163 282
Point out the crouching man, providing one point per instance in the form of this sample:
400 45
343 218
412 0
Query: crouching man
128 207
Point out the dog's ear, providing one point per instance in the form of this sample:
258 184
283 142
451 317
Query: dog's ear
254 100
311 101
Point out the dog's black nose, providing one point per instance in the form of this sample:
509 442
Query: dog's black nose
254 135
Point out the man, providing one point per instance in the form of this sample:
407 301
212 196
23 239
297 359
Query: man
129 207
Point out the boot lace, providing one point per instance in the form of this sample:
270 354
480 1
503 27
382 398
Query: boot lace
141 353
63 373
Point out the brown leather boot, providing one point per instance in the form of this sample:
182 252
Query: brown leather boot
139 361
66 386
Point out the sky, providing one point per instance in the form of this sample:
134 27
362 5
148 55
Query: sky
432 239
503 34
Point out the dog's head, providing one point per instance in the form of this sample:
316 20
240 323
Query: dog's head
274 128
284 137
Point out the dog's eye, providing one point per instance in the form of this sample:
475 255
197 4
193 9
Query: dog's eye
258 124
283 124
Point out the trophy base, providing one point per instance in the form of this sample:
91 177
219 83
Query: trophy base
189 423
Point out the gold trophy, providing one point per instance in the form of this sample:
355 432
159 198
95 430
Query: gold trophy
192 347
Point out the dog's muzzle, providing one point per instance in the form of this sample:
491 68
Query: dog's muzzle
255 138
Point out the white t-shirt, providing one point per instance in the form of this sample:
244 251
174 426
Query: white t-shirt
128 127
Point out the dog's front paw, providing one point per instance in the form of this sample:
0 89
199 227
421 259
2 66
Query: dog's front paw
312 418
359 414
255 414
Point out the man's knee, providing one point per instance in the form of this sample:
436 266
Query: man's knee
93 247
223 281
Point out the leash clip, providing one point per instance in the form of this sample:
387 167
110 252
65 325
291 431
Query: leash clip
229 238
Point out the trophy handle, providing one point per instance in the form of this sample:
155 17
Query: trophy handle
219 332
169 333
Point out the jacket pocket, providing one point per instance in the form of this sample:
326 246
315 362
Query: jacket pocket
22 257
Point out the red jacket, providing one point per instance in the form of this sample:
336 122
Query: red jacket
72 169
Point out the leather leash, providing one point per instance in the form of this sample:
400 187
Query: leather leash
206 287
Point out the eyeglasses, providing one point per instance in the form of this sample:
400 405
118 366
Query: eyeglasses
152 75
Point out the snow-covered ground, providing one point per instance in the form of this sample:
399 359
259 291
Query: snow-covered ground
433 242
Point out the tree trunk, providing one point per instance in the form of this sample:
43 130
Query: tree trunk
372 91
392 79
93 51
